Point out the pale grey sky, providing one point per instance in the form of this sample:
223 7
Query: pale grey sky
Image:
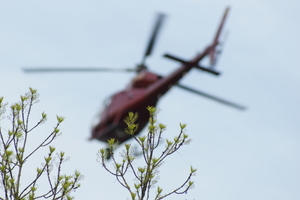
239 155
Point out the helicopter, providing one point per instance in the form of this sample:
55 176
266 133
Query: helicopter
146 88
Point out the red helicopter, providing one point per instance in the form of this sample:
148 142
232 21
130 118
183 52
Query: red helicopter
146 88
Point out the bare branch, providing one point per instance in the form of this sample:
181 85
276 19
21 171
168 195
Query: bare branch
148 175
12 151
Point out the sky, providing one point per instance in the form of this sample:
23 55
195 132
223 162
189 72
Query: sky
252 154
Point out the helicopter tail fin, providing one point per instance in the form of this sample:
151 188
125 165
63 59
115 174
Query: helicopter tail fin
212 49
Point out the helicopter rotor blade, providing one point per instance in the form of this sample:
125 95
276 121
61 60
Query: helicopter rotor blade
64 69
154 35
217 99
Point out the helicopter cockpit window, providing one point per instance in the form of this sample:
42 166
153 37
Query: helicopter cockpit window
144 79
97 118
107 102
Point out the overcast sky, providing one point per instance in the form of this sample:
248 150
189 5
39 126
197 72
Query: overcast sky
254 154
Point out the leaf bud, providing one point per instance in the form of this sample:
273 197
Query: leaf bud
155 160
33 188
151 110
118 165
8 153
39 170
77 173
44 115
141 169
48 159
133 195
151 128
159 190
102 151
23 98
10 133
193 170
62 154
60 119
56 130
127 146
12 181
111 141
21 150
52 149
142 139
169 143
182 126
162 126
32 91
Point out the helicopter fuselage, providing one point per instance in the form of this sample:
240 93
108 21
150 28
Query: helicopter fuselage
144 90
